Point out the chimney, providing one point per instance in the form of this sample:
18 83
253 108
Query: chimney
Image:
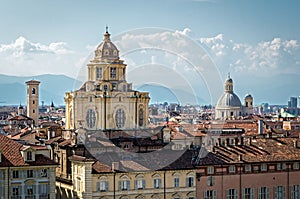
115 166
240 157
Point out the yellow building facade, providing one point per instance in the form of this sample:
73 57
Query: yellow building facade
96 180
26 171
106 100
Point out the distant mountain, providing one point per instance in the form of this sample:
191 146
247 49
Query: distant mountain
274 89
159 94
52 88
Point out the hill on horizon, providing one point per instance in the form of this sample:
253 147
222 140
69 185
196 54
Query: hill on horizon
52 88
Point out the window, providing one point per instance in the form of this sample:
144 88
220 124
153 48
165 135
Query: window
124 185
295 192
90 118
247 193
16 192
210 181
99 73
113 72
141 117
114 86
231 194
126 146
124 88
102 186
157 183
279 192
296 165
231 169
29 174
140 184
33 102
33 91
281 166
105 87
210 194
248 167
29 155
33 111
15 174
263 193
176 182
189 181
264 167
29 192
210 170
43 191
120 118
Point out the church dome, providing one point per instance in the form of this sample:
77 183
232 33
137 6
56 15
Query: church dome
248 96
106 50
229 99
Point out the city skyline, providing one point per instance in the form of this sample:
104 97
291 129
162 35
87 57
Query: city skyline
250 40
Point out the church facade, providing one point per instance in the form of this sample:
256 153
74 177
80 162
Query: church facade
106 101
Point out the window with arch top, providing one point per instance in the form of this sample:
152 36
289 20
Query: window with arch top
141 117
90 118
120 118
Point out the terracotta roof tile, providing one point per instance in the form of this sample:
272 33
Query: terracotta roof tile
11 154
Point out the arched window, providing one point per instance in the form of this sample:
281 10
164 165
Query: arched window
90 118
120 118
141 117
33 91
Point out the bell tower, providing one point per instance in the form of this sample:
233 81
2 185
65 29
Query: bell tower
33 100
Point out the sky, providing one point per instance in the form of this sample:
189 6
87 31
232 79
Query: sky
256 41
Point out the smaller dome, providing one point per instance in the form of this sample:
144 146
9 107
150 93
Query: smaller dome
229 99
106 49
248 96
229 80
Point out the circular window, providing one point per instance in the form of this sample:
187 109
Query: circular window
90 118
120 118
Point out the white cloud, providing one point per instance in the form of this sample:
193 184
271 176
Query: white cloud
27 58
185 31
21 46
274 56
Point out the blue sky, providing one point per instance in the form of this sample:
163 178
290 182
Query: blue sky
260 38
79 22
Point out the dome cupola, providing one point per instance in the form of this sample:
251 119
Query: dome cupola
106 50
228 84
